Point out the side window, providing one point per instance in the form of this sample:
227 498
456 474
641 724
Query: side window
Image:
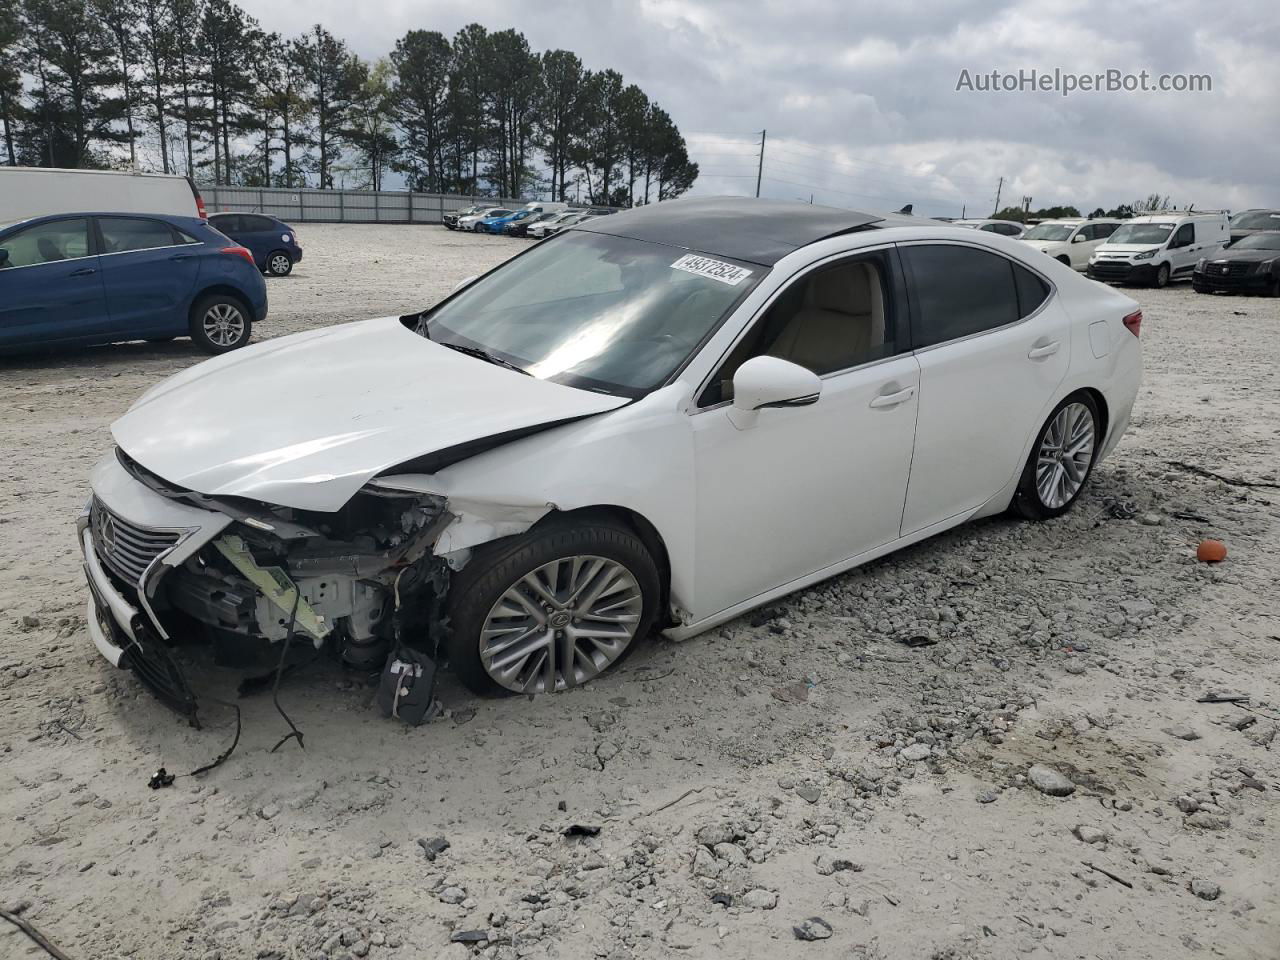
125 234
1105 230
1032 291
227 223
830 319
1185 236
1008 229
958 291
251 224
47 243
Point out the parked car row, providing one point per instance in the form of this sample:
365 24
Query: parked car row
1217 253
538 219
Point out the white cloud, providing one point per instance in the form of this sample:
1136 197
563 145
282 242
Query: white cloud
859 96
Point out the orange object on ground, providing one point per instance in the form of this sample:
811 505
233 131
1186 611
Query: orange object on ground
1211 551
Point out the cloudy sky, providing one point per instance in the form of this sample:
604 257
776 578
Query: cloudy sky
860 99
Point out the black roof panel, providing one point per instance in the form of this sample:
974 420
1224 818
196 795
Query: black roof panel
741 228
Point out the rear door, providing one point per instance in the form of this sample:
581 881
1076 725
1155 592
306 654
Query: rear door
51 285
149 269
261 235
228 224
993 345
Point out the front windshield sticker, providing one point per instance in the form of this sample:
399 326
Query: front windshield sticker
713 269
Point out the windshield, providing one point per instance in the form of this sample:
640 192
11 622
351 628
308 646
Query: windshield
1258 241
602 313
1257 220
1049 231
1141 233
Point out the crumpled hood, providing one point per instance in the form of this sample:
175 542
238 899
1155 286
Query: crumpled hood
306 420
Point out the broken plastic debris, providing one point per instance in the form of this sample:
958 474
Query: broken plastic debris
161 778
581 830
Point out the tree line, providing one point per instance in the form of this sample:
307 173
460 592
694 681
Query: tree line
1136 208
198 87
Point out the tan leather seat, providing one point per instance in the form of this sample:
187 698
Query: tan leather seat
840 323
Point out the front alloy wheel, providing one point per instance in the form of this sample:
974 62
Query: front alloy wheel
1061 461
552 608
561 624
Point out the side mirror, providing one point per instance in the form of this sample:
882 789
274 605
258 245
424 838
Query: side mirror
464 282
1078 238
764 382
4 258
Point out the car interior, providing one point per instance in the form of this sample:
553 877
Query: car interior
833 319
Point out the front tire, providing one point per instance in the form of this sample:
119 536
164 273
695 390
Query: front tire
1061 460
1162 276
552 608
220 323
279 264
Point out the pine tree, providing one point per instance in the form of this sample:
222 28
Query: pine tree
422 61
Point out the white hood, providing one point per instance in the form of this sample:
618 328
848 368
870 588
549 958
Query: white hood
306 420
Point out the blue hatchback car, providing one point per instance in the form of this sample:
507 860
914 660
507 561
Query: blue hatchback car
273 242
90 278
498 224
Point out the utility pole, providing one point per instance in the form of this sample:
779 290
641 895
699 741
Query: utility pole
999 187
760 168
1026 208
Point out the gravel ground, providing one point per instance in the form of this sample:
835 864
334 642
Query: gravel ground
1040 780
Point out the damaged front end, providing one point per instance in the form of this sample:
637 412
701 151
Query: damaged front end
168 565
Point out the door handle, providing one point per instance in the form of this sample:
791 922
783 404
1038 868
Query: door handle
83 272
892 399
1047 350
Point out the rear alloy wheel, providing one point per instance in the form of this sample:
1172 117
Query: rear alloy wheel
279 264
551 609
1061 461
220 323
1162 275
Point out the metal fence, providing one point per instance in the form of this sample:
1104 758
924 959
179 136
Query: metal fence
309 205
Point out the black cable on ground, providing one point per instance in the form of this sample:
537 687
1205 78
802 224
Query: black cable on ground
36 936
295 733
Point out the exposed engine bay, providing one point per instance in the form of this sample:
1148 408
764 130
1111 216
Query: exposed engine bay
355 582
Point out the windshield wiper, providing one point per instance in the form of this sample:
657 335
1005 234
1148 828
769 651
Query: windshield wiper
487 357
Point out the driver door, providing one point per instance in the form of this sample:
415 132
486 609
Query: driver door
806 487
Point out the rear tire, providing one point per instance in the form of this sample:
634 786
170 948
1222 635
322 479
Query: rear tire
220 323
279 264
570 559
1061 460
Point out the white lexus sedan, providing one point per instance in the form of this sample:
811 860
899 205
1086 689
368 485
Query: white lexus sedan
653 421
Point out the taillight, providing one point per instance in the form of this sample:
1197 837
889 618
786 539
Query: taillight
200 210
248 255
1133 323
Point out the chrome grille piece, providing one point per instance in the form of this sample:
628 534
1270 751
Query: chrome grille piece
126 548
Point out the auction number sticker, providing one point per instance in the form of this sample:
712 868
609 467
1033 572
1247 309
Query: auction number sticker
712 269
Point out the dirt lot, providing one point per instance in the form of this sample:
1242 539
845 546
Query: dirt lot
798 763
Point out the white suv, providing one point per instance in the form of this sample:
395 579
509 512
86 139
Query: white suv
1071 240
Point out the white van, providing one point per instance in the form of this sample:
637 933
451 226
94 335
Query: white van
1070 240
38 191
1159 247
545 206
